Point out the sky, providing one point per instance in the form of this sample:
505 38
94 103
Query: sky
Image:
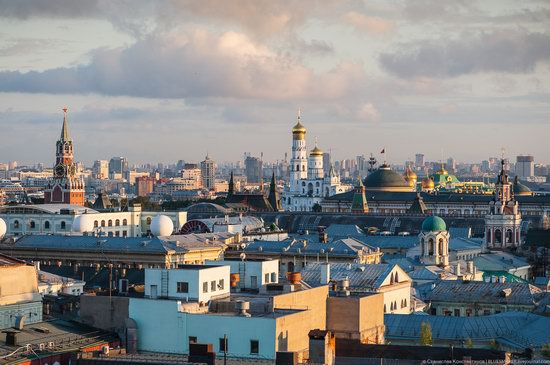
160 81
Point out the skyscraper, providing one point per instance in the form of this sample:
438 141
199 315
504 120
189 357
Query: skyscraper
525 166
101 169
253 169
208 173
419 160
117 166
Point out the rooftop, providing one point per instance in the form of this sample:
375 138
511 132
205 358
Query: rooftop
360 276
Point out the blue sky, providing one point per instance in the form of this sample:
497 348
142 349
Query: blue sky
173 79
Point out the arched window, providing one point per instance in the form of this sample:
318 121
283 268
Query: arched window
46 225
303 168
317 184
110 223
297 168
441 246
16 224
509 236
63 225
290 267
498 236
488 235
431 246
391 278
148 220
117 222
396 278
402 303
405 302
103 223
32 225
96 224
303 183
125 222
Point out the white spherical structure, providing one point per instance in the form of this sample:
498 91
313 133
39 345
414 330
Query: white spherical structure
162 225
83 223
3 228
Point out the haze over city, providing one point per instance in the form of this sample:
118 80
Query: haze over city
165 80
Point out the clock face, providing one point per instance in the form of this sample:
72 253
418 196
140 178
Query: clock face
59 170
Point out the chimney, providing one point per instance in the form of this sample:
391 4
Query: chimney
322 347
457 272
325 273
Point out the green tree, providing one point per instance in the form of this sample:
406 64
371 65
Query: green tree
469 343
426 334
545 351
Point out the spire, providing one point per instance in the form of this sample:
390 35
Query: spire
359 202
65 129
273 197
231 187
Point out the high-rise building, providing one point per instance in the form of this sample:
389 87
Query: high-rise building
100 169
254 169
65 187
419 160
525 166
191 177
208 173
144 185
451 165
117 166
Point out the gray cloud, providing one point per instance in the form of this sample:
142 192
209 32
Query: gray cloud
508 52
193 65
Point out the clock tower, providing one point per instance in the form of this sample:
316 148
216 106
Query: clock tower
65 187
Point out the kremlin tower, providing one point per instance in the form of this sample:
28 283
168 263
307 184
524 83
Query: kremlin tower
65 187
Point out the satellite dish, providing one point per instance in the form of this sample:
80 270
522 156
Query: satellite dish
242 256
3 228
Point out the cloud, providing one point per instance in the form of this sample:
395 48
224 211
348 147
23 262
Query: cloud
196 64
366 23
505 51
368 112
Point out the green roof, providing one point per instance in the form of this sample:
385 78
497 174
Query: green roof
385 177
433 223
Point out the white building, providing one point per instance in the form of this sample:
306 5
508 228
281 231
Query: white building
58 219
525 166
199 283
253 274
52 284
308 183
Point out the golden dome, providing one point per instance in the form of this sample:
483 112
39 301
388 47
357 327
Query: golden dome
316 151
410 174
299 128
442 170
427 183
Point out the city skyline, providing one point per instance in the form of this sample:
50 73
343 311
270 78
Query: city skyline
170 80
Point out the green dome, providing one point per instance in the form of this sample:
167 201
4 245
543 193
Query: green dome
386 179
433 224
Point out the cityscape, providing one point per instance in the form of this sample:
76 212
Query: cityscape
274 182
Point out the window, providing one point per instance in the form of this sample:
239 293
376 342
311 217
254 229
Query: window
63 225
16 224
221 284
96 224
124 233
486 312
125 222
224 345
213 285
192 339
117 222
385 308
117 234
273 277
148 220
254 346
33 225
110 223
103 223
205 287
266 278
182 287
457 312
46 225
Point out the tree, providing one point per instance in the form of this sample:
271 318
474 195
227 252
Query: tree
469 344
317 208
426 334
545 351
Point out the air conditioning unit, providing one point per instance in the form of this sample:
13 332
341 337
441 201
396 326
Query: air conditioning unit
41 346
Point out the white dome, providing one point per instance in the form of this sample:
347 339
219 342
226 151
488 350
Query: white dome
3 228
83 223
162 225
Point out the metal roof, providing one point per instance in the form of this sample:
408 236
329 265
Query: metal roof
482 292
499 261
520 329
361 277
341 247
345 230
